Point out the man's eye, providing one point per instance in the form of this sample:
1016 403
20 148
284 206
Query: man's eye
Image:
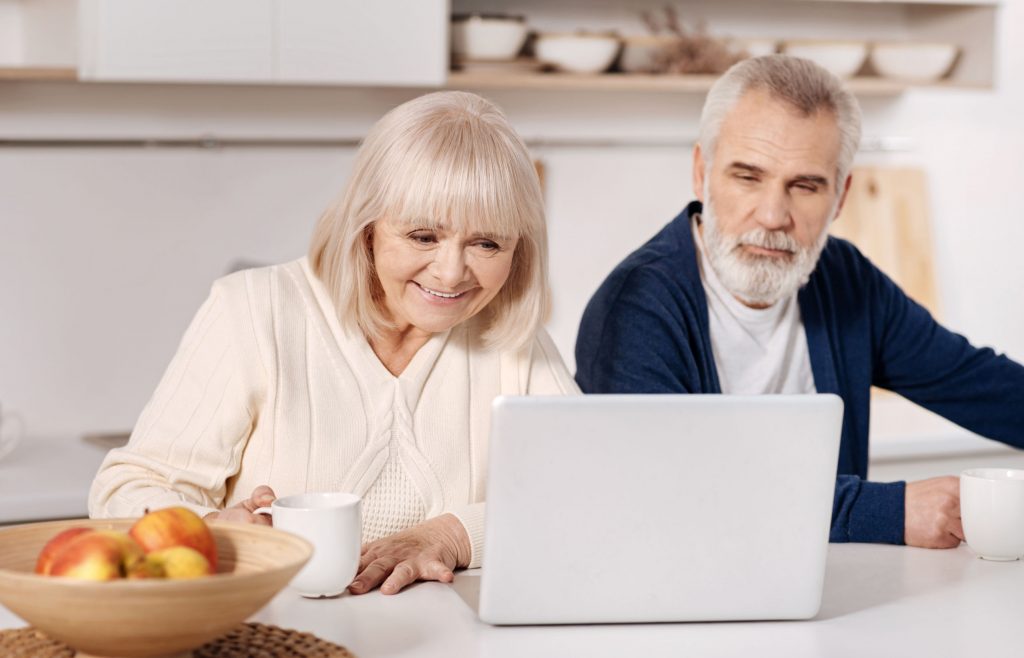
745 177
807 187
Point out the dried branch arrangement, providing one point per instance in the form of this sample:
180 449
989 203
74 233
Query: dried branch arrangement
690 51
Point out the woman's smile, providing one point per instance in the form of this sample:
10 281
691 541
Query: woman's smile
435 296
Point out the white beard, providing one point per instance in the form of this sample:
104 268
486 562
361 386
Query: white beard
761 280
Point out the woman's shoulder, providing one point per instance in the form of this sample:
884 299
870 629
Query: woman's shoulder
268 294
270 285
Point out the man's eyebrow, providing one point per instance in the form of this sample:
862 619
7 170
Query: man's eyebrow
811 178
744 166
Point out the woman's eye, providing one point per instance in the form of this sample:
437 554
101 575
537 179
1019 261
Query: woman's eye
423 238
487 245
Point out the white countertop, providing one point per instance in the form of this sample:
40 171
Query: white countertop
878 601
47 479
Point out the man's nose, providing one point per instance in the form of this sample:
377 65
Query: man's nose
449 266
773 209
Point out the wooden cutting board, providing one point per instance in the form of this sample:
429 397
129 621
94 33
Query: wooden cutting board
886 216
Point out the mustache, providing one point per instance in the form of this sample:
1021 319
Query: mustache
776 240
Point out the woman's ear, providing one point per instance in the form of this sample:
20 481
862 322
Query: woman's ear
368 239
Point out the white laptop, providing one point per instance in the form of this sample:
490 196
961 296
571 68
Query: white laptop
658 508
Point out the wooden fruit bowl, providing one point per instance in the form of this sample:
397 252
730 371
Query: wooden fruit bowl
145 618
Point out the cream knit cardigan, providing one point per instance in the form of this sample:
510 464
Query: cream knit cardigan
268 388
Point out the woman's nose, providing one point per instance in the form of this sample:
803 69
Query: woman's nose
449 266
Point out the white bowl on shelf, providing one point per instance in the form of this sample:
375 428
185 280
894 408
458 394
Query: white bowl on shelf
484 37
577 53
842 58
913 62
640 53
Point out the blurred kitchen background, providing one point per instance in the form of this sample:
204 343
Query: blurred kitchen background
148 147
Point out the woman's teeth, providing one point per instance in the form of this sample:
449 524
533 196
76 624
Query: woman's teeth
445 295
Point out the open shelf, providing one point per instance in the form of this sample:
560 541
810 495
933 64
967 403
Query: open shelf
608 82
38 73
633 82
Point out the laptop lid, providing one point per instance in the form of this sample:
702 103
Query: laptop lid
648 508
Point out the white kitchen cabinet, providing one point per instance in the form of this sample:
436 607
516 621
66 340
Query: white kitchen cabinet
355 42
176 40
38 35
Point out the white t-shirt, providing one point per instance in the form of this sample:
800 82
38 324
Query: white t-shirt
757 351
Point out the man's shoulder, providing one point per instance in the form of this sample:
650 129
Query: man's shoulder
841 262
665 262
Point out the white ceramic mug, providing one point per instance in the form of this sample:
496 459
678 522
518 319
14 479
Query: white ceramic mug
992 511
333 523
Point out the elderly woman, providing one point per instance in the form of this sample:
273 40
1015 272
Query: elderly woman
370 365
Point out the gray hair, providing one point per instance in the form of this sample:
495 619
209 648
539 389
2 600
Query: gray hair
803 84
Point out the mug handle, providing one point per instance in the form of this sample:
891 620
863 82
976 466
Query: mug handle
269 511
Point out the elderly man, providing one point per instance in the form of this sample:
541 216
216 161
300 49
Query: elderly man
745 293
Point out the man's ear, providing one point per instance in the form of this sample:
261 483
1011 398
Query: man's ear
842 199
698 173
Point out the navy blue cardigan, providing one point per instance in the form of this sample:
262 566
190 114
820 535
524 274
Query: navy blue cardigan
646 331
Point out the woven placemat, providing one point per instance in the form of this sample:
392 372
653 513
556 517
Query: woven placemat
245 641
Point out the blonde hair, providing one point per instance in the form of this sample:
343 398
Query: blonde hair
807 87
447 159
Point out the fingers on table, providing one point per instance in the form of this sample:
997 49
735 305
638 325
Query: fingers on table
408 572
366 556
373 574
393 575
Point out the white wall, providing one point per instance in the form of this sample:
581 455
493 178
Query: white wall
106 252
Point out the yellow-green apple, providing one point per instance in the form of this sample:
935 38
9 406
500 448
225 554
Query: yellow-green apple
178 562
54 546
175 526
97 555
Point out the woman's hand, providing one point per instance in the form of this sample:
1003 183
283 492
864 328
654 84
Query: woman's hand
242 512
428 551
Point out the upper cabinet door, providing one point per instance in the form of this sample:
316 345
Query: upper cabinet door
176 40
362 42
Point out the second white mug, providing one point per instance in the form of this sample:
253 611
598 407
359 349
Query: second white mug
333 523
992 511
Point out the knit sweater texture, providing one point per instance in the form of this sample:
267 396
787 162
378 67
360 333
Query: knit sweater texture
646 331
268 387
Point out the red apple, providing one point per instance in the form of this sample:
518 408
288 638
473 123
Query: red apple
54 546
175 526
97 555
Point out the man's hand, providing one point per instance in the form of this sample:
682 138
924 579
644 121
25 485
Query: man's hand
932 513
428 551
